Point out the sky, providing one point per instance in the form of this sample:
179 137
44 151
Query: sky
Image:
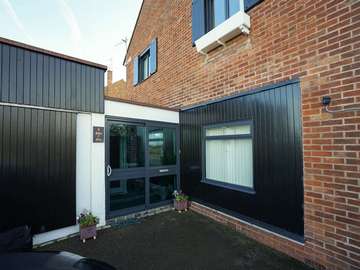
89 29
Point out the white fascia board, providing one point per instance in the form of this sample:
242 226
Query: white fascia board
126 110
237 24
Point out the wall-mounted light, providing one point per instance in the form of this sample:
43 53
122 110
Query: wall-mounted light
326 100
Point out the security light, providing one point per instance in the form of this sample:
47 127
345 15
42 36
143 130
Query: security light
326 100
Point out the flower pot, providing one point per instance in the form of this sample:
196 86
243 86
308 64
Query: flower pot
181 205
88 232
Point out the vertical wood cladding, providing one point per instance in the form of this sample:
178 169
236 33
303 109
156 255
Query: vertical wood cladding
277 156
37 79
37 167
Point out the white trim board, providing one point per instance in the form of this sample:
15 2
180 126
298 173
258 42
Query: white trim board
42 238
126 110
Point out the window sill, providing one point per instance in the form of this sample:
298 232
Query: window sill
237 24
144 80
229 186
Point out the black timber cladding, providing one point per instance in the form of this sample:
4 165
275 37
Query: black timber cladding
277 142
37 168
32 77
38 141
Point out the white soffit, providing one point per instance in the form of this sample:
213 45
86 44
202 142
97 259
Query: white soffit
127 110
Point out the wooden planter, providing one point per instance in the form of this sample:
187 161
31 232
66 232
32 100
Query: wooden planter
180 205
87 232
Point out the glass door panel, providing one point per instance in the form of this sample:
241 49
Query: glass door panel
162 146
162 188
127 146
125 170
127 193
142 165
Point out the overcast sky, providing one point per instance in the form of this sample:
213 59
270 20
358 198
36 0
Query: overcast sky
88 29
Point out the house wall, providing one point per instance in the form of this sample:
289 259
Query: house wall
41 95
114 89
37 168
90 176
31 77
90 160
274 114
49 103
317 42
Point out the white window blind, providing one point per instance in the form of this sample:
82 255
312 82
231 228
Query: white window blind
229 155
229 130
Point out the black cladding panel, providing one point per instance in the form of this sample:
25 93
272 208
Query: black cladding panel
277 155
37 79
37 168
38 145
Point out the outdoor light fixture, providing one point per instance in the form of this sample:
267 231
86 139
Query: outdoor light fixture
326 100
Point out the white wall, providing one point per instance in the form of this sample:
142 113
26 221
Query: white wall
83 162
90 175
126 110
98 172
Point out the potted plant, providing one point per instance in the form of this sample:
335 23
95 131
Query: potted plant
87 223
180 201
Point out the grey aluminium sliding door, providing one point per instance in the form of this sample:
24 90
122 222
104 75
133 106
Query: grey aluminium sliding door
142 165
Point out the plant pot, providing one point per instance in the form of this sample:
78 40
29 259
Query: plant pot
88 232
181 205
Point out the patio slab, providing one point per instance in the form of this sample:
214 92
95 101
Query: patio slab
178 241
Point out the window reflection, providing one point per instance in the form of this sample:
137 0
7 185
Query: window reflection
162 188
144 66
127 193
219 11
126 146
234 7
162 146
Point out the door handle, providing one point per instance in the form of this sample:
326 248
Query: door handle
108 170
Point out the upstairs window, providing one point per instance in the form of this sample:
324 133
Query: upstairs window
207 14
145 64
217 11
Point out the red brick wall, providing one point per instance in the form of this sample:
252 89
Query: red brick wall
316 41
282 244
115 89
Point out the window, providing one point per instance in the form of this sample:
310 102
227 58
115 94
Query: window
162 188
162 146
127 146
229 155
207 14
145 64
217 11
